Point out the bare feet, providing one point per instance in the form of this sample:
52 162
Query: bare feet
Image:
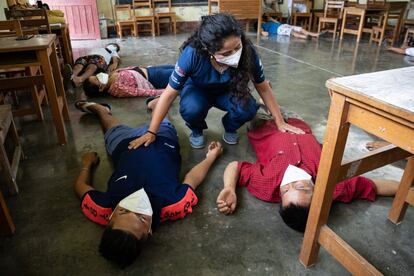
92 108
376 145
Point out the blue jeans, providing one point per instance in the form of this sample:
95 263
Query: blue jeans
196 102
160 75
117 134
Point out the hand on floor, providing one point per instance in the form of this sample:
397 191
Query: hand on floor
227 201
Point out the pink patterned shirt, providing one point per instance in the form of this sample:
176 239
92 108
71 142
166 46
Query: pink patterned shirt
130 83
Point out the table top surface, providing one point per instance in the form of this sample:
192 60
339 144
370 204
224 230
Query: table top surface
394 88
38 42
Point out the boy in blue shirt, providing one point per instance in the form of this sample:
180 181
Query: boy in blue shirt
144 189
274 27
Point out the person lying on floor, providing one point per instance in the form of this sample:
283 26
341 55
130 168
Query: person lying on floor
409 51
273 27
129 82
285 172
138 197
99 60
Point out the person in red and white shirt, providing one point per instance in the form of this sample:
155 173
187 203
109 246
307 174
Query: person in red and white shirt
133 81
285 170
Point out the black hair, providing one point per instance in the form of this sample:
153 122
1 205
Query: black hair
119 246
209 37
295 216
91 89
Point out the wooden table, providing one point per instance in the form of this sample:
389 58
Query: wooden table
382 104
362 11
40 51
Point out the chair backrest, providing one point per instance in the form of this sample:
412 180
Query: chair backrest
399 8
123 12
335 8
10 28
142 6
33 19
162 5
241 9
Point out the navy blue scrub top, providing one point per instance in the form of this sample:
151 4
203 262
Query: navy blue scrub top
199 71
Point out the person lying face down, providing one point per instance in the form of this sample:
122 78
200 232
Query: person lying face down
138 198
131 81
284 173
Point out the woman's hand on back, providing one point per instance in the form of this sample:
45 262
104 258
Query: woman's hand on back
145 139
285 127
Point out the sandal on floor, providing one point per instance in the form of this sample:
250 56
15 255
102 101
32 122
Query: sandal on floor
83 105
150 99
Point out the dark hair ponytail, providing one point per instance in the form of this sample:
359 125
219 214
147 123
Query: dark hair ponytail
209 37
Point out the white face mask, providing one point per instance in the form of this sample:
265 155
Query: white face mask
293 174
103 78
112 48
137 202
232 60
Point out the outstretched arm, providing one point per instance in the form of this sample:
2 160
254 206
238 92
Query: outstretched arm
197 174
82 184
386 187
266 93
227 199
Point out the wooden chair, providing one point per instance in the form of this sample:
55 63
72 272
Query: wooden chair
409 33
125 18
38 92
378 32
397 12
140 7
359 15
305 17
168 14
332 15
8 129
241 9
31 20
10 28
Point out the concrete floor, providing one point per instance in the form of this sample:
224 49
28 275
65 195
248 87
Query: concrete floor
54 238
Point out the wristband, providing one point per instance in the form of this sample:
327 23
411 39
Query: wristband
149 131
85 169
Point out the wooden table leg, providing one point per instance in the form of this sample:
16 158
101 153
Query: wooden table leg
66 46
60 90
43 56
333 148
399 205
6 223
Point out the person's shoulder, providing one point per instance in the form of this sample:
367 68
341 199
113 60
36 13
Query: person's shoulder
96 206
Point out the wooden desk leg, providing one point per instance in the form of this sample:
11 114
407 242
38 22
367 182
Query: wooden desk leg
6 223
333 148
399 205
43 56
60 90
